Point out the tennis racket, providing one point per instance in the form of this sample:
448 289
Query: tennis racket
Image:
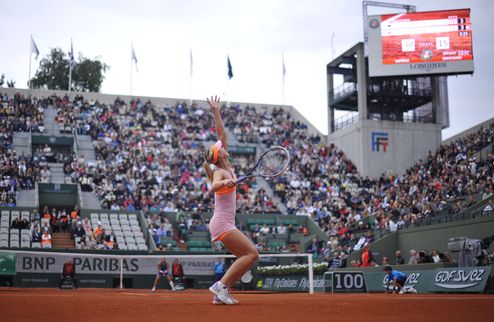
272 163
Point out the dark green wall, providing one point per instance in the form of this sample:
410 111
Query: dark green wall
59 140
385 246
436 236
428 238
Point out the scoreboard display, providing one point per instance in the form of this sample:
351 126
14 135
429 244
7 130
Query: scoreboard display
436 42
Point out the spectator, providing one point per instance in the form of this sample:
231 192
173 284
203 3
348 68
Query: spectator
161 232
314 247
335 262
36 235
110 241
367 258
488 208
16 224
424 258
99 232
168 227
90 242
385 261
435 256
46 228
24 224
414 257
82 243
282 229
399 260
64 221
155 237
79 231
46 240
264 229
100 237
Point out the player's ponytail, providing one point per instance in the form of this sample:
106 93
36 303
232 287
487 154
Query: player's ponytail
208 170
208 156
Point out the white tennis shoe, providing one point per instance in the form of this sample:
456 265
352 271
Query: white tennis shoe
222 293
217 301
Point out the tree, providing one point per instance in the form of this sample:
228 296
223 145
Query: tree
88 75
53 73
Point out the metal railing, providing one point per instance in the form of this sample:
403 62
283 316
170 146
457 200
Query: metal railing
343 90
345 121
411 117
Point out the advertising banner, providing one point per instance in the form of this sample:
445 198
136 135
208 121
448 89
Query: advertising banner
53 263
289 283
464 279
418 280
7 264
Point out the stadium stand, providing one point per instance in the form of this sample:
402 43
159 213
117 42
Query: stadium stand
149 158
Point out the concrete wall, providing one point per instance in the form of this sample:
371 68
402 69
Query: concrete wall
407 144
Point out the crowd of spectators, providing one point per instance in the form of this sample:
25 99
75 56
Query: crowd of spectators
18 171
325 185
148 157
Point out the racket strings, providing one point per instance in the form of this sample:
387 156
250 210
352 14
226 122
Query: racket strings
273 162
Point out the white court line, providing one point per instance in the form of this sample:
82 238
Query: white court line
138 294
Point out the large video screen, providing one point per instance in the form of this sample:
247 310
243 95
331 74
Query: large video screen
418 43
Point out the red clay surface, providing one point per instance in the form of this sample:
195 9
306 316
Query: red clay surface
195 305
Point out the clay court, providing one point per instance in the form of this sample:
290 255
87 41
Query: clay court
195 305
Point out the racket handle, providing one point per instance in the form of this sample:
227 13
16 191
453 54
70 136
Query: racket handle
242 178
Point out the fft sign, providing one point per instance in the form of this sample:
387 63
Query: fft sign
379 141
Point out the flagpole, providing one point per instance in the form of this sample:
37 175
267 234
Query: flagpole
190 79
332 46
283 82
131 66
30 57
230 76
70 65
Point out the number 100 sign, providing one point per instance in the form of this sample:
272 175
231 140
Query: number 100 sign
346 282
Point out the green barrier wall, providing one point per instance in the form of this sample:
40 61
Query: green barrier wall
428 238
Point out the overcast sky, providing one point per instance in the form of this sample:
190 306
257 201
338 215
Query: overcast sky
254 33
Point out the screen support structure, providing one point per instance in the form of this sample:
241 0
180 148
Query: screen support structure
365 15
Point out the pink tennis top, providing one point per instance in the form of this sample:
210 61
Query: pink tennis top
225 208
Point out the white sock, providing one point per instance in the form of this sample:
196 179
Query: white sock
222 285
172 285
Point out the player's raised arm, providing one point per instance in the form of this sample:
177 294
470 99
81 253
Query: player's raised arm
214 103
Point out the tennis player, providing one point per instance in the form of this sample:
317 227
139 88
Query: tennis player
395 278
163 271
222 224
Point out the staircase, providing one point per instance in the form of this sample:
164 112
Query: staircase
51 127
262 183
85 147
62 241
22 143
57 175
26 198
89 200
